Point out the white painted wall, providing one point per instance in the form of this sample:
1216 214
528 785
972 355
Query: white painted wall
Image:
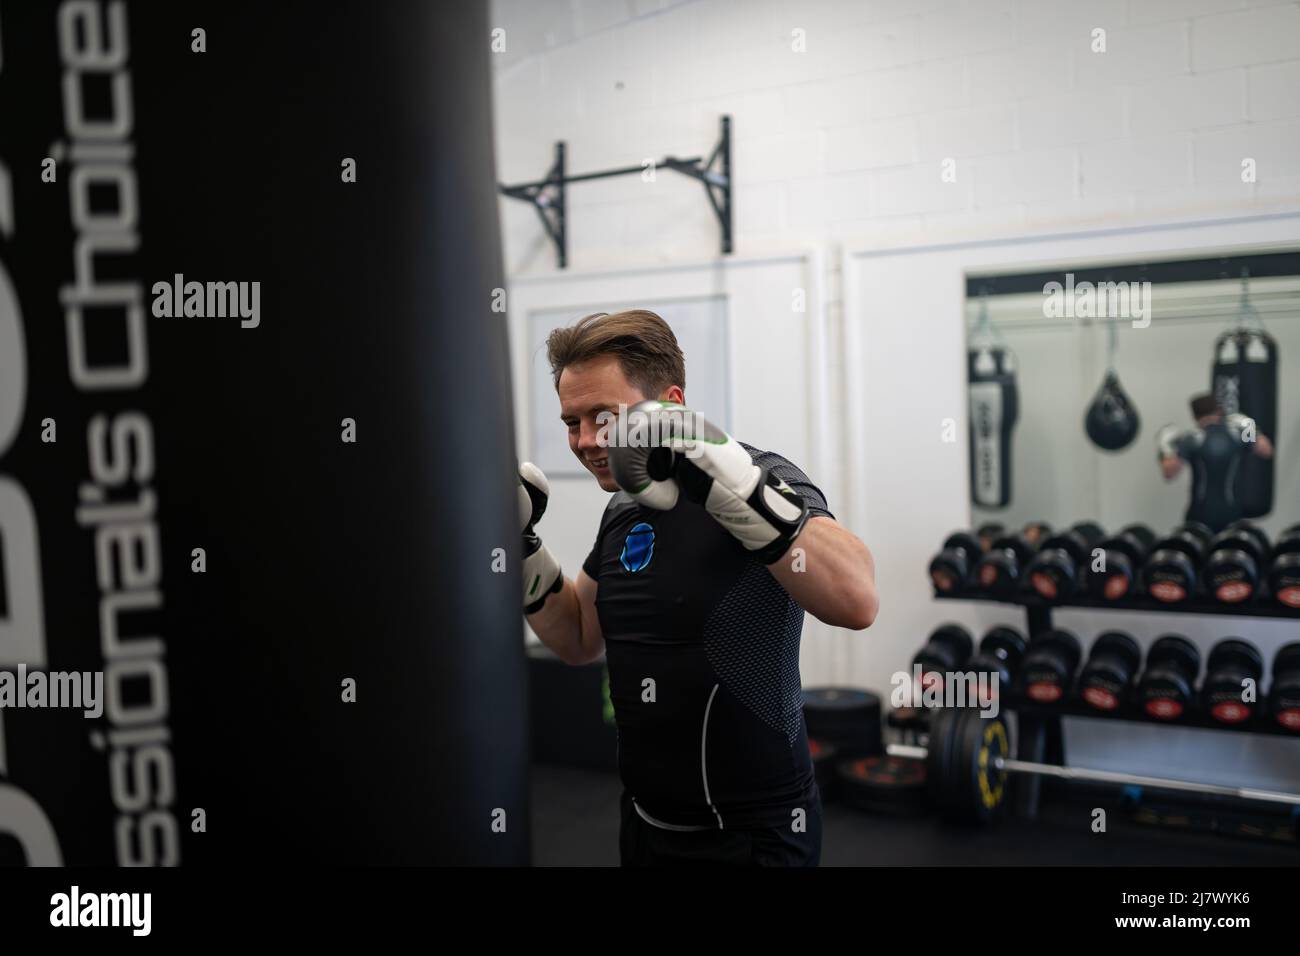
844 141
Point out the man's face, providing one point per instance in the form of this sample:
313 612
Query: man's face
586 389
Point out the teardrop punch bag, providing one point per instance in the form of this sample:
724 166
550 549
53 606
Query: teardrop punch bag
1112 420
994 409
263 527
1244 380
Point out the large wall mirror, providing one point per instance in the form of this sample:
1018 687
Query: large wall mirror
1127 392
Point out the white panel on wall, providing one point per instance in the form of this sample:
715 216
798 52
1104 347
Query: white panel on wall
700 325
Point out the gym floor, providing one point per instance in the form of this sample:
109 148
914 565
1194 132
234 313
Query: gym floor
576 815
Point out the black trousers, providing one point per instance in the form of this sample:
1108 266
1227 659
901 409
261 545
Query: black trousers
644 844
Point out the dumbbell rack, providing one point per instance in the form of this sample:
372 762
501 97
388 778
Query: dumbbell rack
1040 739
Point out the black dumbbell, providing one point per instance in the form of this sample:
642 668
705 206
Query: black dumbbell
999 655
1107 679
1233 667
1036 532
1168 685
1121 562
1284 573
947 649
1252 529
1000 569
1056 571
1048 667
989 532
1235 564
1284 692
951 568
1172 566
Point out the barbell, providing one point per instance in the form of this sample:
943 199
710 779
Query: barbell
968 761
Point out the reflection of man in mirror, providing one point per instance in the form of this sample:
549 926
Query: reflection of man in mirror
1214 449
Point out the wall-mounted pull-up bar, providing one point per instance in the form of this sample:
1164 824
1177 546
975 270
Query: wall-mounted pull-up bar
549 198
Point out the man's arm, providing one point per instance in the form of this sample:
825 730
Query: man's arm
560 611
1169 451
830 574
567 623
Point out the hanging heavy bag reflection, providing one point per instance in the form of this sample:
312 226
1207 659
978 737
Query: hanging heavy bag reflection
994 409
1112 421
1244 379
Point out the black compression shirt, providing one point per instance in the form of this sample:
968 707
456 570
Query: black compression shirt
702 645
1215 454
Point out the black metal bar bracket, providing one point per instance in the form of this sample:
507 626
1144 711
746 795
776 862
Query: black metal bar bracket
548 197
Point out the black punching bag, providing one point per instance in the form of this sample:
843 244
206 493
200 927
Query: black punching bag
1244 380
266 513
994 410
1112 421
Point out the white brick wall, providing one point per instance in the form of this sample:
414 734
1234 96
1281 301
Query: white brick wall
848 135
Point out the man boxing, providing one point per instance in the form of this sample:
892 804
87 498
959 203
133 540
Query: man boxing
1214 449
695 591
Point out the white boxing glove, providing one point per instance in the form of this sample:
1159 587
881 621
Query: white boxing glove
541 570
666 448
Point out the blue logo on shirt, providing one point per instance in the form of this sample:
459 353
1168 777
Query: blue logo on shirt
639 547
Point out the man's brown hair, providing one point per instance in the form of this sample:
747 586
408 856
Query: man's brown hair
645 347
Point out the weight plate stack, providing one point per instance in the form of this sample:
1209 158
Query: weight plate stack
962 776
982 785
894 785
845 717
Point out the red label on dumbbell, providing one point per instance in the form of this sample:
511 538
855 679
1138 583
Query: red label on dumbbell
1290 719
1289 596
1234 591
1168 591
1047 693
1230 712
1116 587
1100 698
988 575
1044 584
931 679
943 582
1164 708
